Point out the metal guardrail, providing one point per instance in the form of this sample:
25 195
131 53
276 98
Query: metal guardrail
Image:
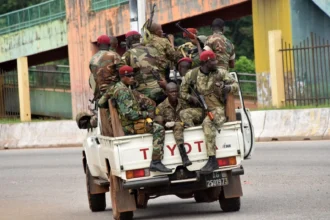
31 16
98 5
56 78
248 85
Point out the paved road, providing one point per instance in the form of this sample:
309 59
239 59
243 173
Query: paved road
284 180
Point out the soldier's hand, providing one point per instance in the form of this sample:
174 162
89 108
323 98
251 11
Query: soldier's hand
170 124
194 40
194 100
226 89
162 83
149 121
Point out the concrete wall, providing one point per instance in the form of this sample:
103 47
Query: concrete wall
33 40
268 15
308 17
273 125
88 25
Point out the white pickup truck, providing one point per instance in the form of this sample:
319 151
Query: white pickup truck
121 165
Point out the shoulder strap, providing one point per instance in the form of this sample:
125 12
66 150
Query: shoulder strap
194 74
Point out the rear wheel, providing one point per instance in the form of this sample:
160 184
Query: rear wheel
229 204
96 202
115 186
200 196
207 195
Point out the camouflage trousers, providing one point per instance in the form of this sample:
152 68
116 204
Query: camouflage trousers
178 133
158 137
156 94
192 116
210 129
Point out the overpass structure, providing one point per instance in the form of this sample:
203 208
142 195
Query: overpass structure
60 29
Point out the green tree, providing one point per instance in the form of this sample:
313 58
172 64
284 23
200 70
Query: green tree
244 65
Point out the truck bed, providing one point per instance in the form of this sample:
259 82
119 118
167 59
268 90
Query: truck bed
134 151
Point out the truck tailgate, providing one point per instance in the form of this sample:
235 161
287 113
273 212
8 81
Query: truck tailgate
135 151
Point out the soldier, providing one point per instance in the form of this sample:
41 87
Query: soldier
135 116
113 43
184 65
212 83
145 63
166 52
190 49
220 45
169 110
103 66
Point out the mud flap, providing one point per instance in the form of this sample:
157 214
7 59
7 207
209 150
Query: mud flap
121 199
234 188
94 188
126 202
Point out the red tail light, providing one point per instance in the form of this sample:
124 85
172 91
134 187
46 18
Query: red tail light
227 161
130 174
138 173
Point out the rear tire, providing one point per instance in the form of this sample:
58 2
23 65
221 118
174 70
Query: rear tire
200 197
126 215
229 204
97 202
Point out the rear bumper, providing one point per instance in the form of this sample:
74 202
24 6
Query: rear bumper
237 171
165 180
159 181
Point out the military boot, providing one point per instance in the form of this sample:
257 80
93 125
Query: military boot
185 160
157 165
210 166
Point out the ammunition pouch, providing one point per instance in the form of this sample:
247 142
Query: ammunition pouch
141 126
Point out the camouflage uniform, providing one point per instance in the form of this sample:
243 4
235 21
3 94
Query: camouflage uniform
207 85
190 50
133 106
169 114
166 52
103 67
222 47
144 60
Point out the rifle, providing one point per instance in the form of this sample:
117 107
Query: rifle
188 33
202 102
156 75
151 16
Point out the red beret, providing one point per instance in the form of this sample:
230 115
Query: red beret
103 39
131 33
125 69
206 55
191 30
185 59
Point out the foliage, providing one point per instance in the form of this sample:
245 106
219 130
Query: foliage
244 65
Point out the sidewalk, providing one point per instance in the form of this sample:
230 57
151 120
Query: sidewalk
270 125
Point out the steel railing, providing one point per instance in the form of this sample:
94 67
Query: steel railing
98 5
31 16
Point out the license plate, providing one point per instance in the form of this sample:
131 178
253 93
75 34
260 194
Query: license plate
216 179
